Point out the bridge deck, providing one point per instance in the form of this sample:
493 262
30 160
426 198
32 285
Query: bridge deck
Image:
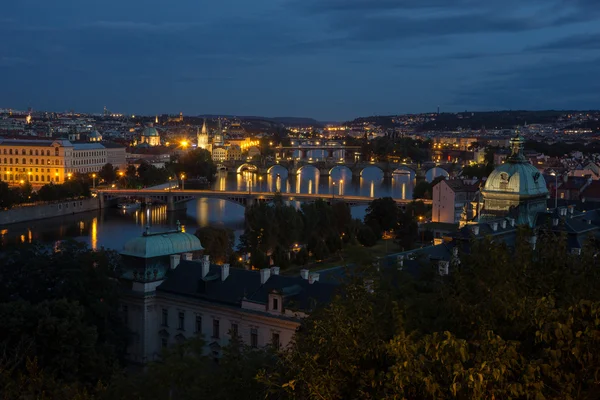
238 193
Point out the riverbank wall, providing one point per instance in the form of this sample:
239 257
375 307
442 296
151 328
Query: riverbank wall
48 210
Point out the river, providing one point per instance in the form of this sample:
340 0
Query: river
111 228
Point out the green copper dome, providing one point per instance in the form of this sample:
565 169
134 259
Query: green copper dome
516 177
150 130
161 244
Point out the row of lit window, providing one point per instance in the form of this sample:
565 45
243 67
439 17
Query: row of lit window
31 152
36 178
31 161
79 154
30 169
87 162
216 328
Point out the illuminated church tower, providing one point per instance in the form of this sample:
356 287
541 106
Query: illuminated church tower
203 137
218 139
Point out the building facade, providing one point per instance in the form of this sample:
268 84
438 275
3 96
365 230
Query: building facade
216 302
43 161
449 199
219 154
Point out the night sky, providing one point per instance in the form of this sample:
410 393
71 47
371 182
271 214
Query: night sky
327 59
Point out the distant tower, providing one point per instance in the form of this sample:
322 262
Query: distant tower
180 117
218 139
202 137
156 120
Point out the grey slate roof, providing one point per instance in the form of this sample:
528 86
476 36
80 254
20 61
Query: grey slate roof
186 280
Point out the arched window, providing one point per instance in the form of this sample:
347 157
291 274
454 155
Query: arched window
47 152
36 153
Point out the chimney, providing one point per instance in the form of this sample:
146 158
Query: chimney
400 260
562 211
205 266
304 273
274 270
443 268
554 221
494 226
533 241
475 229
224 271
512 222
187 256
265 273
503 224
174 260
312 278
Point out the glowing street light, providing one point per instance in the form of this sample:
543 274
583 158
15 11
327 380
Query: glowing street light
184 143
182 182
94 180
69 176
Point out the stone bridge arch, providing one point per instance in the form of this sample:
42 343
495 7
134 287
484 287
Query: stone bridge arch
437 171
247 167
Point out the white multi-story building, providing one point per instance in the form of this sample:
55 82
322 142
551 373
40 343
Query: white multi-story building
216 302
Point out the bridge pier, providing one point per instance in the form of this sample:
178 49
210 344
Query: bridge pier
172 203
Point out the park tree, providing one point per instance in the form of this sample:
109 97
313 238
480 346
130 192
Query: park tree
63 302
8 196
108 173
382 215
271 228
195 163
516 323
186 372
217 242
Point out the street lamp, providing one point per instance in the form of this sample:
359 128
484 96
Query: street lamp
94 181
555 175
341 187
29 176
56 176
169 184
69 176
182 182
333 191
260 184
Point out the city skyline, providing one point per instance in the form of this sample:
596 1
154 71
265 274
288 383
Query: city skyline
328 60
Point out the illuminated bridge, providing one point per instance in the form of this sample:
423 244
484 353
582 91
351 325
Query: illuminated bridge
176 199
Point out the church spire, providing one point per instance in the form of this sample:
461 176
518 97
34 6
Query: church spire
204 130
517 144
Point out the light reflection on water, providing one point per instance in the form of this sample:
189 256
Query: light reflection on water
111 228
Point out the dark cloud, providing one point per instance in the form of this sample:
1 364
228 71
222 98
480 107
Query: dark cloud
575 42
572 85
386 20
